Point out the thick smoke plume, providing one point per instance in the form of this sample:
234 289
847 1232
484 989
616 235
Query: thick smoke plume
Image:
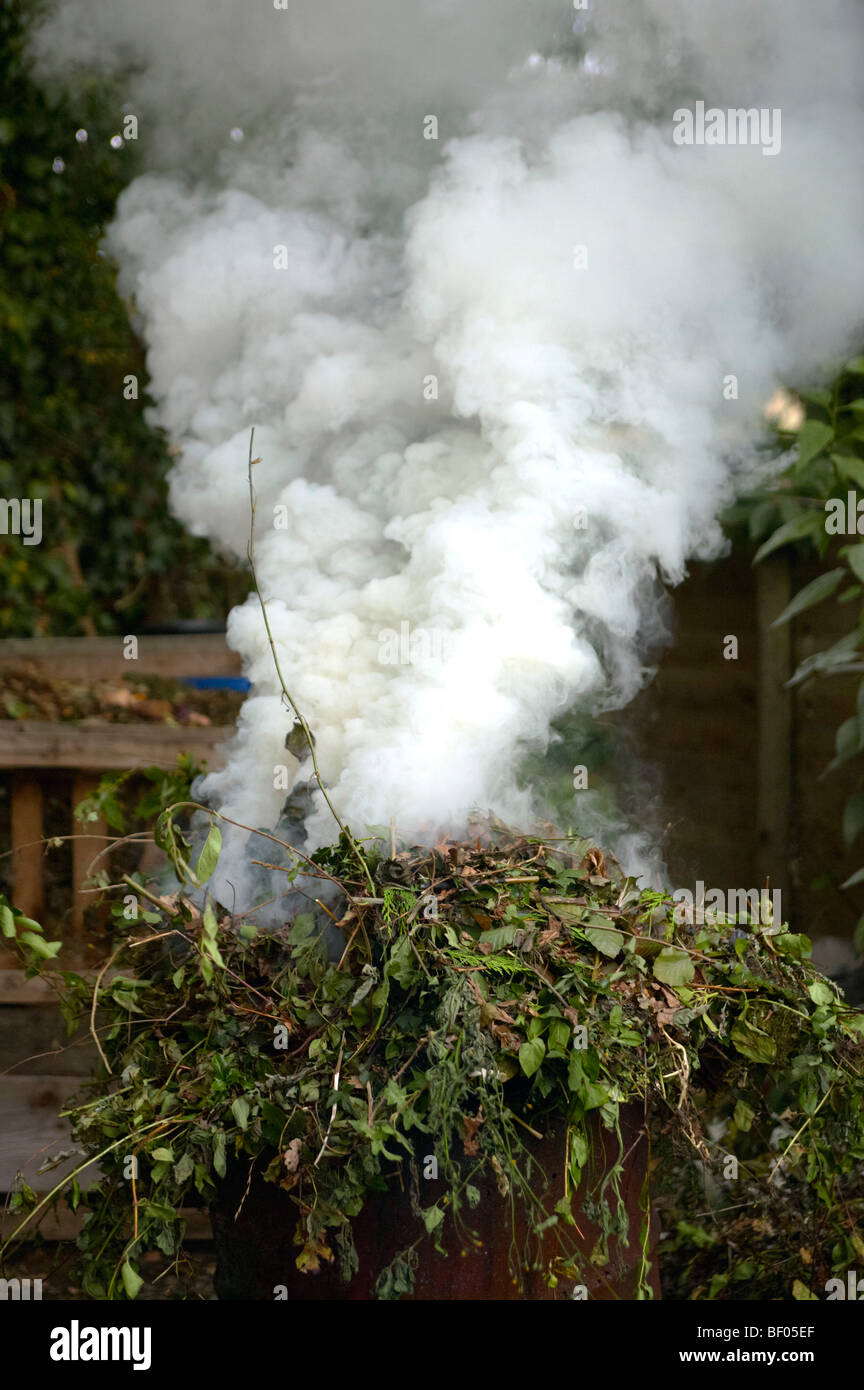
482 447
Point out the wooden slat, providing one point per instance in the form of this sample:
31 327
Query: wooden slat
63 1224
775 722
101 658
32 1130
34 1042
27 887
28 743
15 988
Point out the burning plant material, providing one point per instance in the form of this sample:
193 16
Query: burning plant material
488 993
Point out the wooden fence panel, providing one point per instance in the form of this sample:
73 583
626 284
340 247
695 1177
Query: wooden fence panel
101 658
34 743
27 885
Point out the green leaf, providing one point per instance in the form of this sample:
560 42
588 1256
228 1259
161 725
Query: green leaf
696 1235
857 877
432 1218
240 1110
752 1042
812 439
498 938
402 964
219 1164
22 921
132 1280
592 1095
214 953
46 949
303 928
793 944
166 1240
162 1155
570 913
606 940
159 1211
7 921
743 1115
183 1169
851 467
209 855
559 1038
802 1293
820 992
842 653
807 523
674 966
854 557
762 517
815 592
821 398
853 817
847 743
847 739
578 1155
808 1095
531 1055
126 999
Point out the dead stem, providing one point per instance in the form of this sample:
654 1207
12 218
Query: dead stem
333 1110
307 734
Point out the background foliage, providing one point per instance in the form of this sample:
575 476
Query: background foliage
795 513
111 555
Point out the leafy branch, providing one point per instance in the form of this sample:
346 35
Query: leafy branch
816 501
543 994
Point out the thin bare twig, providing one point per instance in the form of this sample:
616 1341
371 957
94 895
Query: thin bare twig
307 734
333 1110
798 1133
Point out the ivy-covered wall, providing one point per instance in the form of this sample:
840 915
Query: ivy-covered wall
110 556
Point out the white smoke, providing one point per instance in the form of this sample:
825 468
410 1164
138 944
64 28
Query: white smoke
562 392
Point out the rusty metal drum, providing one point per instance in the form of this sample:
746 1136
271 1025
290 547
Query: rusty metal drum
254 1223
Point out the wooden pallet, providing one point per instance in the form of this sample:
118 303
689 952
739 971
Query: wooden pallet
82 751
30 750
62 1224
102 658
39 1069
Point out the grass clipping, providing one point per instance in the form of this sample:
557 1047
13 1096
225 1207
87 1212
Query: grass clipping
487 991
